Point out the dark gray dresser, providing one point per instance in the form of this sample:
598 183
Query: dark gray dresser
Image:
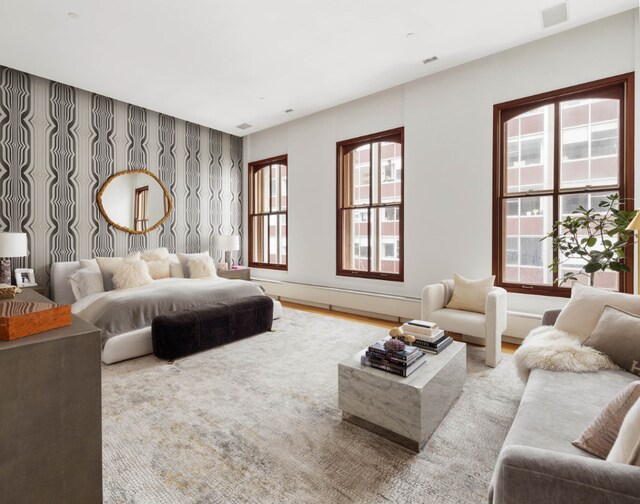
51 415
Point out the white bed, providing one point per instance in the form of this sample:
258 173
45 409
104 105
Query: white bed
124 345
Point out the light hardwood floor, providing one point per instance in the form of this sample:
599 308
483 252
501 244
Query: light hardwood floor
508 348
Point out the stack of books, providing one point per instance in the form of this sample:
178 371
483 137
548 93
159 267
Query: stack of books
400 363
429 338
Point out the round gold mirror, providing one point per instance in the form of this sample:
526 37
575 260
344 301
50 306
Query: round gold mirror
135 201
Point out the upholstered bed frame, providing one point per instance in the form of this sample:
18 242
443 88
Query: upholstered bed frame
124 346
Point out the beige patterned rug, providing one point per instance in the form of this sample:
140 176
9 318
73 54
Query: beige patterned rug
257 421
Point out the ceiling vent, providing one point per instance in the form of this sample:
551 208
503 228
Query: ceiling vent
430 60
288 111
244 126
554 15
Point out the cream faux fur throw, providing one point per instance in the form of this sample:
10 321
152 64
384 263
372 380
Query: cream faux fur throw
549 348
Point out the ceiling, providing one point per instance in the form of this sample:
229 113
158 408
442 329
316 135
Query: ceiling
223 63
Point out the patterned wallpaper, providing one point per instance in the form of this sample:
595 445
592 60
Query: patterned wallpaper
58 146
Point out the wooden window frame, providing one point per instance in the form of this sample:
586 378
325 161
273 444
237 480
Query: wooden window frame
354 143
253 168
502 112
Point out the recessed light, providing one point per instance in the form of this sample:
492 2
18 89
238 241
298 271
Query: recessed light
288 111
430 60
411 35
73 15
244 126
262 98
554 15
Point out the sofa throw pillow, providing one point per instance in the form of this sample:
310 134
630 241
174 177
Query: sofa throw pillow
84 282
175 270
157 254
626 449
470 295
201 267
580 315
109 264
131 273
159 269
617 334
184 259
600 435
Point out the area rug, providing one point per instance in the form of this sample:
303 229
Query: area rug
257 421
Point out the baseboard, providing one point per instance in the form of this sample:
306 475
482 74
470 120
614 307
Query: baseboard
381 306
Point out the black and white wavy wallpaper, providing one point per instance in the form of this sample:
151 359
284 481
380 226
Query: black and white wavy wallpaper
58 146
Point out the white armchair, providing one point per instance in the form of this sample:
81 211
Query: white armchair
487 326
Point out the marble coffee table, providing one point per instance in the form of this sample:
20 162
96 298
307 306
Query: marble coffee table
404 410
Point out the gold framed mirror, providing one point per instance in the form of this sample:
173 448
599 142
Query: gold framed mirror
135 201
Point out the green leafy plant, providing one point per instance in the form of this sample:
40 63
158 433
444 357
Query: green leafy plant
596 236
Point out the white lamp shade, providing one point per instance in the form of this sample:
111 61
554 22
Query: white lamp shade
228 242
13 245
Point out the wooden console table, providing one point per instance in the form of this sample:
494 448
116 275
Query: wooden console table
51 415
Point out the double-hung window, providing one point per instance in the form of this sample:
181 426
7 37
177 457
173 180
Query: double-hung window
553 153
371 206
268 205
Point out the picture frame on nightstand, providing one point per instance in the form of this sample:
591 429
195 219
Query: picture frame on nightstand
25 277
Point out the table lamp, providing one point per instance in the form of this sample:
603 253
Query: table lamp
227 243
11 245
634 225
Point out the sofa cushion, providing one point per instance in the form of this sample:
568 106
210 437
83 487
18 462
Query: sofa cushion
626 449
581 314
601 433
617 334
463 322
557 406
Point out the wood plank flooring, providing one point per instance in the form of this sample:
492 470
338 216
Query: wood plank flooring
508 348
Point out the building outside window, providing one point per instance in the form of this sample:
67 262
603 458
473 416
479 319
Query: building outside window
555 152
370 206
268 213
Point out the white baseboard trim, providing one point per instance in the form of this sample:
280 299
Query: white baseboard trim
376 305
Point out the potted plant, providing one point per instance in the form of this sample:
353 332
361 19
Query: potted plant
596 236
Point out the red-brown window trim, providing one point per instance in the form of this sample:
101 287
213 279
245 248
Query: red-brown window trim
504 111
342 148
253 168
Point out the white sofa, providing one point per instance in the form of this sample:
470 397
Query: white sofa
484 328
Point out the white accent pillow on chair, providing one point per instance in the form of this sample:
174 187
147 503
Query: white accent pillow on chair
470 295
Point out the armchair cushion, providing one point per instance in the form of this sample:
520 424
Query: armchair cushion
470 295
460 321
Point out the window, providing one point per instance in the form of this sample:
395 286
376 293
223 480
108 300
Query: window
268 204
370 206
553 153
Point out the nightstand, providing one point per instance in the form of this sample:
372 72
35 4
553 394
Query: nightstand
236 274
43 291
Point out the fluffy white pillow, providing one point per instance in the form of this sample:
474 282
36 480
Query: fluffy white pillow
184 260
85 281
156 254
159 269
581 314
626 449
470 295
108 266
131 273
201 267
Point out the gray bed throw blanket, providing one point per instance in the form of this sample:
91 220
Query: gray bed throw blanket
120 311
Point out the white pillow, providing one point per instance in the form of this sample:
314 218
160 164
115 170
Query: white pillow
108 266
201 267
175 270
159 269
131 273
85 281
90 264
626 449
184 259
156 254
470 295
581 314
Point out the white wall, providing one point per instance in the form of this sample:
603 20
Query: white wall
448 157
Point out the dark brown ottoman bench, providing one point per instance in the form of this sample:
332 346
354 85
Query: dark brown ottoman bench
186 332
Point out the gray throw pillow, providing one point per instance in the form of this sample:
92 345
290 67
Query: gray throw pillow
617 335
